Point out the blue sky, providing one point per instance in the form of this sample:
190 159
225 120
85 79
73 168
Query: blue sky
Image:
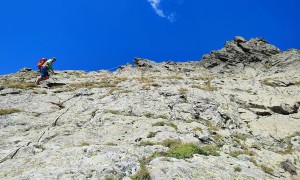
100 34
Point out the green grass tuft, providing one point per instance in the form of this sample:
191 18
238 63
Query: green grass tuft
267 83
209 124
217 137
208 86
146 160
197 129
40 92
171 142
196 86
297 83
188 120
162 116
211 150
142 174
160 123
288 150
235 153
267 169
185 151
111 144
237 169
172 125
18 84
147 143
183 90
241 136
83 85
151 134
253 161
256 146
84 144
8 111
148 115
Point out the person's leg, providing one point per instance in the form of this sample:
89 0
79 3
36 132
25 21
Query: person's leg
42 75
39 79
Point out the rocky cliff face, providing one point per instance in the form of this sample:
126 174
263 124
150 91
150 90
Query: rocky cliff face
233 115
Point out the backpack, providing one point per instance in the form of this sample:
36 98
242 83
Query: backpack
41 62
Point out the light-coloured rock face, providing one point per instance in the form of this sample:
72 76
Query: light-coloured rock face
243 115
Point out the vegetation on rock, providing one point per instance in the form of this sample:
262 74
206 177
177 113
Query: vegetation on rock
9 111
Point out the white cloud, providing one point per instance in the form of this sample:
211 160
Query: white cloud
158 10
155 6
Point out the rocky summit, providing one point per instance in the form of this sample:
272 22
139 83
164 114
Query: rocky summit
232 115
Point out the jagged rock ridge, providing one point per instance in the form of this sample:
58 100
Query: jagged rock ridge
240 105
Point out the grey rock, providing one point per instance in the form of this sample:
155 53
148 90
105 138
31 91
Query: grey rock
295 141
285 108
239 52
10 91
140 62
25 69
239 39
288 166
244 98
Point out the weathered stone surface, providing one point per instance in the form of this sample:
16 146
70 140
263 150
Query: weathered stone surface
25 69
240 53
242 100
140 62
204 167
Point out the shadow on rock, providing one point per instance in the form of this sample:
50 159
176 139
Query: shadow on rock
55 84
